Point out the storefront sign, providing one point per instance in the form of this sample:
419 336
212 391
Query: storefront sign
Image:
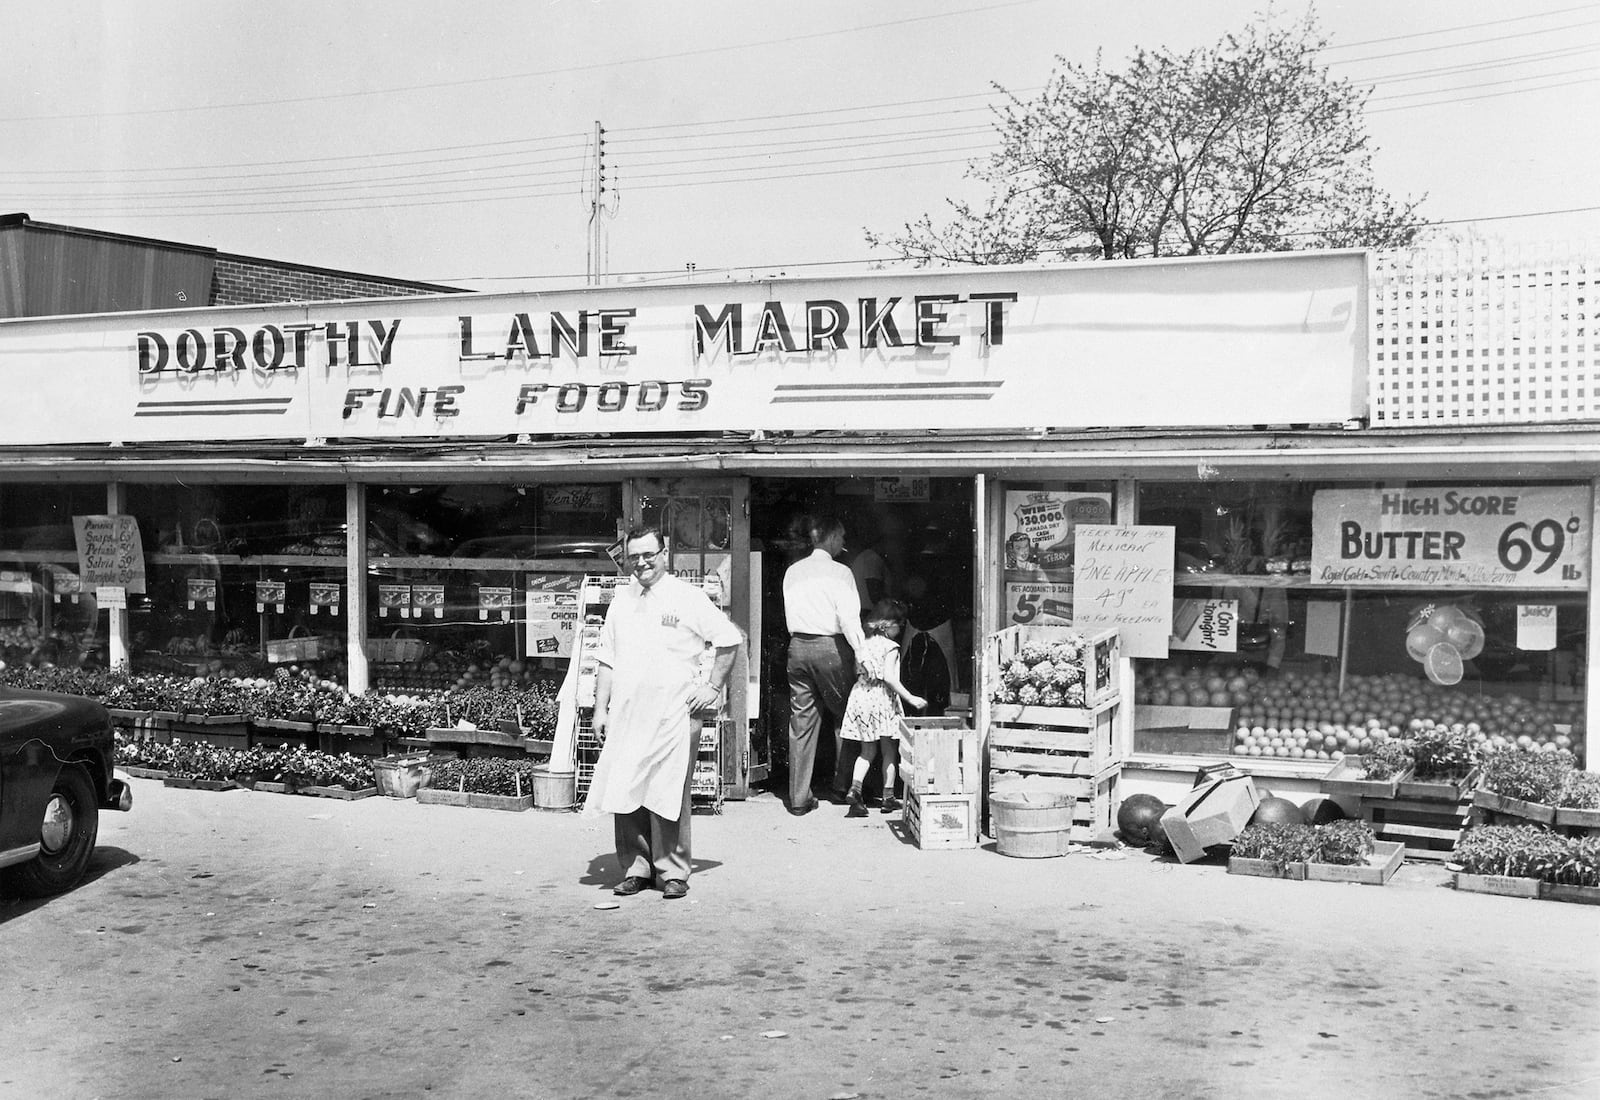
575 498
1484 537
1065 346
1205 626
16 581
1122 577
1038 602
202 590
552 603
110 551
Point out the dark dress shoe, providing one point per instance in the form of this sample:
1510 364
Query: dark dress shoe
801 811
674 888
630 886
890 804
857 808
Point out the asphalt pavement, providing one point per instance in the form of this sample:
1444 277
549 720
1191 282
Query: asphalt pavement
244 944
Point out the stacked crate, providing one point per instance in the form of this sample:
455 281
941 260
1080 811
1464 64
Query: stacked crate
1073 749
940 763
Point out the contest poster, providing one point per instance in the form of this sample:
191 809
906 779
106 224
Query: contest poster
1481 537
552 605
1038 551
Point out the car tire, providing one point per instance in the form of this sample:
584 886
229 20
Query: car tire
67 835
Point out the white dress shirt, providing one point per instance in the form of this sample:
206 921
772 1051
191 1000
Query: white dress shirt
819 597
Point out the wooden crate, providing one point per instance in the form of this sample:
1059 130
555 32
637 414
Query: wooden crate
1101 652
941 821
1346 777
1496 808
229 731
1376 870
942 760
1266 868
1428 827
1097 794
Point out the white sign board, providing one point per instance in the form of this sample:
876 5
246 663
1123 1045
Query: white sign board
1484 536
1122 577
1065 346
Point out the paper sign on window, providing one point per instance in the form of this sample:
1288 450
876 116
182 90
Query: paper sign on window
396 598
1536 626
202 590
324 595
270 592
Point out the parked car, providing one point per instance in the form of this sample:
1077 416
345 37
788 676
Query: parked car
56 756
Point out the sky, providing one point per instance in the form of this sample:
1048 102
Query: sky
455 142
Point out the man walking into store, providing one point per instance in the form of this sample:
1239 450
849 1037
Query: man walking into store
823 615
651 678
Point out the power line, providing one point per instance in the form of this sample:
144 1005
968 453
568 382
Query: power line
703 51
1462 27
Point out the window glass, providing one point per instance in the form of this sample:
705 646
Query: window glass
45 617
1414 613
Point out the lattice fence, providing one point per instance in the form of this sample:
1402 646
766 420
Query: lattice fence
1484 334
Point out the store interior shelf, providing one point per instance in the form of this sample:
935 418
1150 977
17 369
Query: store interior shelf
337 561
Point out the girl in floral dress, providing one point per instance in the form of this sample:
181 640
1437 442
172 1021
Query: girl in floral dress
872 715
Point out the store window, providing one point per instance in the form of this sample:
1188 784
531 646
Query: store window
239 579
46 618
479 583
1311 619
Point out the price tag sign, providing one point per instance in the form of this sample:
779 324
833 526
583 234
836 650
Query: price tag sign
1484 537
110 596
324 594
496 599
428 597
202 590
270 592
394 597
67 583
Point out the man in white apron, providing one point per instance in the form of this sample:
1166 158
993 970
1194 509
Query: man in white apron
651 676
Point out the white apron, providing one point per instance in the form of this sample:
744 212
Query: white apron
655 642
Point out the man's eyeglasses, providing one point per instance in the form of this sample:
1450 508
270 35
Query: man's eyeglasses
645 559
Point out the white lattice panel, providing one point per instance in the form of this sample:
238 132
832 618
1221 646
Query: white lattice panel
1484 335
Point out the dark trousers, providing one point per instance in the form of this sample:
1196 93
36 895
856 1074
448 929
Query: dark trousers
821 671
649 845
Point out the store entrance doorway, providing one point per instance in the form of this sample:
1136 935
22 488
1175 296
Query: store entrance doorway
910 538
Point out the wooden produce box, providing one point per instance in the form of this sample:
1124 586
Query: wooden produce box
1266 868
1347 777
1504 885
1499 806
941 821
231 731
942 760
1378 868
1577 822
1100 657
1097 793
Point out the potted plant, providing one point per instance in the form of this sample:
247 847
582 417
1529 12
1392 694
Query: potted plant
1506 859
1445 759
1272 850
1375 774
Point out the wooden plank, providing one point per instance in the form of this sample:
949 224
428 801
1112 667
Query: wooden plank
1003 760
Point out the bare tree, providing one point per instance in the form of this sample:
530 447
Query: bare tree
1246 146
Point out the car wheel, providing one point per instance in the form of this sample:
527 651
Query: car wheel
67 834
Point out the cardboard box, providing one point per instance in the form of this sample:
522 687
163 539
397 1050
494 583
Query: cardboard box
1213 813
1193 730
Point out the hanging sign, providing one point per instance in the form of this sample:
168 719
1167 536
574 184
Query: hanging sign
1122 577
1038 603
111 596
428 597
109 551
552 604
203 590
66 583
494 598
271 592
324 594
1038 530
1536 626
1485 537
1205 626
900 490
394 597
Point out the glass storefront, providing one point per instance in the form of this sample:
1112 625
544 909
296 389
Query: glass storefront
1310 618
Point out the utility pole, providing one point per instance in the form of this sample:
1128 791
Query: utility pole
597 197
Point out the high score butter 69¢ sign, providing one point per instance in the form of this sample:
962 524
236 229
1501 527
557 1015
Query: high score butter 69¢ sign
1482 537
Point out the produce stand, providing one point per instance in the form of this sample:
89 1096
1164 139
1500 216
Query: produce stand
1427 818
1072 750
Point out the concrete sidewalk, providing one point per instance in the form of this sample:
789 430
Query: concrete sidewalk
251 944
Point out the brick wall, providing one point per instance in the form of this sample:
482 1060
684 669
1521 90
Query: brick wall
241 280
